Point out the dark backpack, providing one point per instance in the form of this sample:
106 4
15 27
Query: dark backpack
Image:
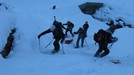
58 32
58 28
102 36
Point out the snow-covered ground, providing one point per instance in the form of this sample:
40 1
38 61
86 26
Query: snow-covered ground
31 17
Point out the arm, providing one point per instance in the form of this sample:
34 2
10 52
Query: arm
78 31
110 23
45 32
63 27
119 26
65 24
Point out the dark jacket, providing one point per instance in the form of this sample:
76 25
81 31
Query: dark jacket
82 32
69 24
112 28
57 31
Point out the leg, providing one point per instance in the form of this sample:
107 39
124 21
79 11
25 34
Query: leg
71 33
98 52
56 45
66 32
82 41
62 37
106 51
77 42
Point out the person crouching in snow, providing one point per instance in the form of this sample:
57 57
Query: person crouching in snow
104 37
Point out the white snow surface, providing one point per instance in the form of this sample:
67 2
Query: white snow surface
31 17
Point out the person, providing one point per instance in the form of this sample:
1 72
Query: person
82 34
54 7
123 23
9 45
69 28
58 34
103 38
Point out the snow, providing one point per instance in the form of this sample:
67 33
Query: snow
31 17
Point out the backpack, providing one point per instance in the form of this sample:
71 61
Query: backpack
58 27
70 25
82 32
58 32
102 36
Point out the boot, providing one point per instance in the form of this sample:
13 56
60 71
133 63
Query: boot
82 45
104 54
54 51
77 47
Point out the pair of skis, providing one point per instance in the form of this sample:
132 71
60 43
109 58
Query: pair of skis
45 52
114 61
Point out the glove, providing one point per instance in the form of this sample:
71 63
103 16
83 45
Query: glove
75 32
115 39
39 36
61 41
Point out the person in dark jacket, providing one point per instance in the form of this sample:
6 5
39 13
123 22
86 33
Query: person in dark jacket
9 45
69 28
82 34
58 34
107 38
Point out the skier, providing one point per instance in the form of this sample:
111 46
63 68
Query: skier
104 37
69 28
82 34
58 34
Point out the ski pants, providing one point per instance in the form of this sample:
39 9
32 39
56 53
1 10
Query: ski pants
80 37
56 44
102 47
70 30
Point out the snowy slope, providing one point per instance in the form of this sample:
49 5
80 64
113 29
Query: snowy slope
31 17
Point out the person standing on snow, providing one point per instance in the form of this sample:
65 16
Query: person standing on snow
82 34
58 34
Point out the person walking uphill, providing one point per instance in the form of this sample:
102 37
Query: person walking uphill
58 34
70 26
103 38
82 34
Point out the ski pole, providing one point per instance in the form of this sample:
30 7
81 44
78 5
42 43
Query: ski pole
111 45
63 49
87 44
39 43
48 43
54 18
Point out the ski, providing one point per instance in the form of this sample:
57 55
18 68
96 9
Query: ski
46 52
117 61
114 61
49 52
